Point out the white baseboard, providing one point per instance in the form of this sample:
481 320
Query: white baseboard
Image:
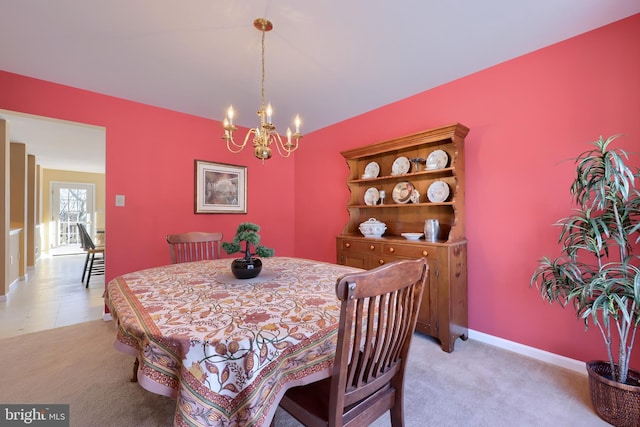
107 317
13 285
534 353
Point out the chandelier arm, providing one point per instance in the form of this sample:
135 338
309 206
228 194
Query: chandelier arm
233 146
284 149
276 138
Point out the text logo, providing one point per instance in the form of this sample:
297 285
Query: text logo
54 415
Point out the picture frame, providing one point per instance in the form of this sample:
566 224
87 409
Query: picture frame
220 188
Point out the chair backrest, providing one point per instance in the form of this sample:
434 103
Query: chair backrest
85 240
194 246
378 314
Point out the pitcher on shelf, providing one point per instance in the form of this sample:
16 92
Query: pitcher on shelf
431 229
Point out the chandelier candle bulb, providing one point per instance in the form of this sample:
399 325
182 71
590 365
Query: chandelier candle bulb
288 136
230 115
297 123
269 113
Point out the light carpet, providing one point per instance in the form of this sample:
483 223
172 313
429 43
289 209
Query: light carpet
476 385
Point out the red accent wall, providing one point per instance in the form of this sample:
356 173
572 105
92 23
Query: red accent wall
150 155
526 117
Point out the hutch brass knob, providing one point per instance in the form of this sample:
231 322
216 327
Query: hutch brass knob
372 247
391 250
347 245
425 253
380 261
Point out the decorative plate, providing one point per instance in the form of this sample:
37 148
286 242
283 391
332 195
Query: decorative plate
400 166
402 192
438 159
371 196
415 196
411 236
371 170
438 192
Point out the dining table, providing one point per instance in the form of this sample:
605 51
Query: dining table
228 349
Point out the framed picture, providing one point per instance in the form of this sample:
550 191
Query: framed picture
220 188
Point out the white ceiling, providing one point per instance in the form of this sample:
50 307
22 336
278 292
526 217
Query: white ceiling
327 60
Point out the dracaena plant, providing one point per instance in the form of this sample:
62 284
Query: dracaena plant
247 234
598 271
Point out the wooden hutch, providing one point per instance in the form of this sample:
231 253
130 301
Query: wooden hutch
443 312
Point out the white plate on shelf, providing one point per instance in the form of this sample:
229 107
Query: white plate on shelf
438 159
371 196
400 166
438 192
412 236
402 192
372 170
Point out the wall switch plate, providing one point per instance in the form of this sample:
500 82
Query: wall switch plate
119 200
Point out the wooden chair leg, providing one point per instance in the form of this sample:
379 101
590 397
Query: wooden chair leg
136 364
397 410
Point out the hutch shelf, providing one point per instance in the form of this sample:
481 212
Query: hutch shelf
443 312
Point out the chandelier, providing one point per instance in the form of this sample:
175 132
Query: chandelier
265 134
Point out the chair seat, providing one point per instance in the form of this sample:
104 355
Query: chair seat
311 397
310 403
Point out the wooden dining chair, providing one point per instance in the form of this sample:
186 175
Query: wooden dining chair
94 262
378 314
194 246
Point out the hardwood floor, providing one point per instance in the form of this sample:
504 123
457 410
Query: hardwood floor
51 297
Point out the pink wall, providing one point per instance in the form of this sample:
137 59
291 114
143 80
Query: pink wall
150 159
527 116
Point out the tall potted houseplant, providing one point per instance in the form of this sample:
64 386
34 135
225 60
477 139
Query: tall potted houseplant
246 238
598 273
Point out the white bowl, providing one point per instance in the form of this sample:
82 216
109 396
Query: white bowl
372 228
412 236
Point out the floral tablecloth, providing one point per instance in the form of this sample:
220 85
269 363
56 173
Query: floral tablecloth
228 349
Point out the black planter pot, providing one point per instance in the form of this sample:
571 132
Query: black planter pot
614 402
246 269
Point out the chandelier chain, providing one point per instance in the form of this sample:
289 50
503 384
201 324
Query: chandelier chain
262 84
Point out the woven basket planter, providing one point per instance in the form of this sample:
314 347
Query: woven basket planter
614 402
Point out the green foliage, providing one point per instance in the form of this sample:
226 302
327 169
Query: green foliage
598 272
248 233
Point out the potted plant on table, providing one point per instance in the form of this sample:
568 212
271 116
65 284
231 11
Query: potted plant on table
249 266
598 273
